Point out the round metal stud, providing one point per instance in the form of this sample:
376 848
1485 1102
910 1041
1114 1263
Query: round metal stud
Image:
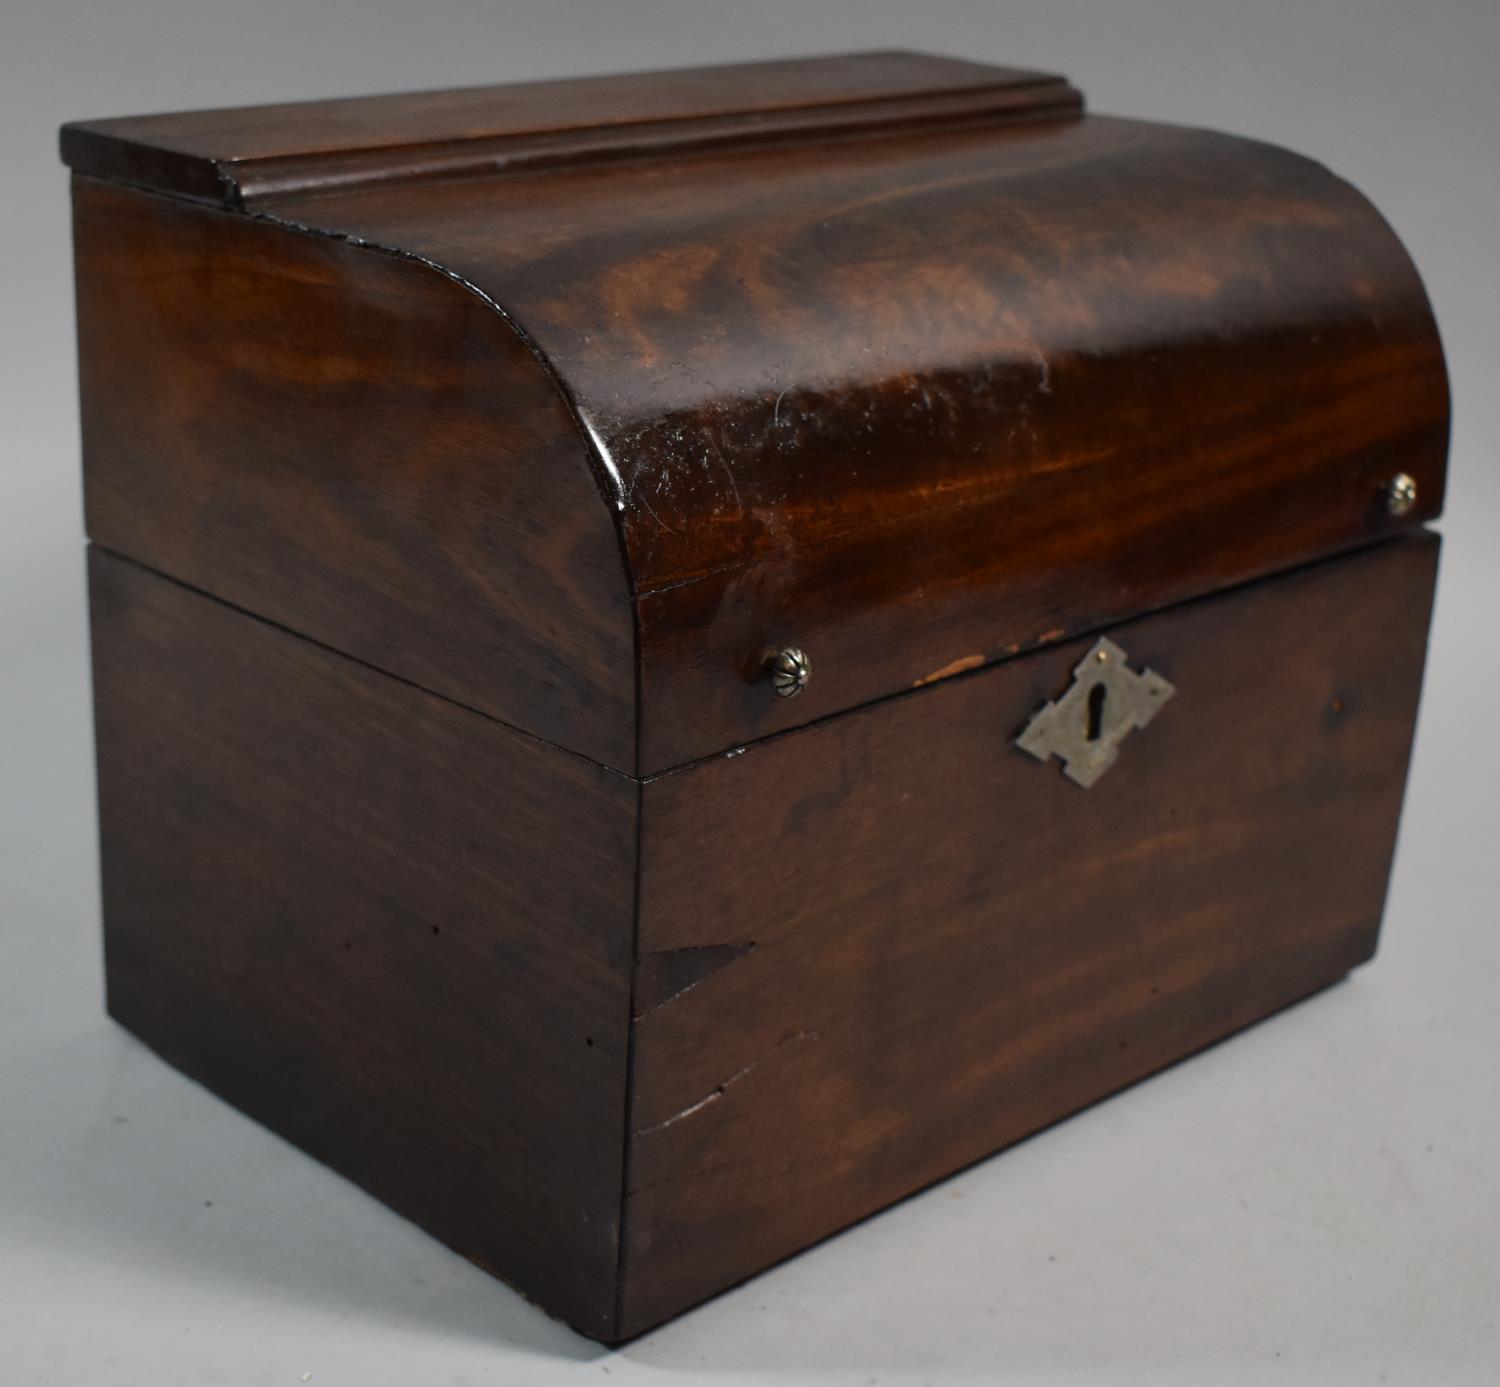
789 670
1401 493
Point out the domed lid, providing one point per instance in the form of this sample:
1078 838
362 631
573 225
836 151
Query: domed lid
899 361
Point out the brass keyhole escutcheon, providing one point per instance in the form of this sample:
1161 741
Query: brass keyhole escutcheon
1104 704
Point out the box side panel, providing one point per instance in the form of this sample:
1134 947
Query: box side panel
893 943
392 930
358 448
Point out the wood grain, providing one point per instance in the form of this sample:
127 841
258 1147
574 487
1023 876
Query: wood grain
236 156
356 447
948 395
915 402
510 417
931 945
390 929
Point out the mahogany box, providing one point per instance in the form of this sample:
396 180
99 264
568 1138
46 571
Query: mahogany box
679 657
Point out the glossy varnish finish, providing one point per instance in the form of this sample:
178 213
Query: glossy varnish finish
240 155
389 928
915 400
845 963
454 461
943 397
357 448
918 945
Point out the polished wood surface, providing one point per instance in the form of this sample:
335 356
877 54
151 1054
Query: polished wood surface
453 462
837 966
390 929
238 155
915 402
942 398
919 945
357 448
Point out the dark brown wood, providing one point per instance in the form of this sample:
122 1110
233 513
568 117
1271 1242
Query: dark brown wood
946 397
356 447
238 155
930 946
475 853
388 928
915 401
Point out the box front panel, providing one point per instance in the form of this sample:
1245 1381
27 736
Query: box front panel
875 950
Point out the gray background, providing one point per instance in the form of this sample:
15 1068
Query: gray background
1313 1202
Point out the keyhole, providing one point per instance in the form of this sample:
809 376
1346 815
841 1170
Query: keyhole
1096 712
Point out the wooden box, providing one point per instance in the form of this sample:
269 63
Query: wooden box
679 657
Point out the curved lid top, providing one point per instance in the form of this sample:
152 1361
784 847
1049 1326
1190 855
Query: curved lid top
948 386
